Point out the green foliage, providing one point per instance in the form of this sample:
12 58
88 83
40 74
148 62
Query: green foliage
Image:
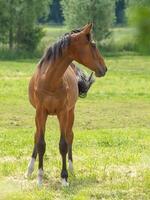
3 21
139 16
120 40
120 11
29 39
18 21
55 15
79 12
137 3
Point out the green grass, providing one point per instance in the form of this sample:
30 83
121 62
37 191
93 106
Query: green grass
112 136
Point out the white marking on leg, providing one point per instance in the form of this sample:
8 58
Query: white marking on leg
70 166
30 167
40 177
64 182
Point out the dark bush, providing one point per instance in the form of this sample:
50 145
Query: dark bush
29 40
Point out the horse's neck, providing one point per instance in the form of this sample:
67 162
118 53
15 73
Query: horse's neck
55 71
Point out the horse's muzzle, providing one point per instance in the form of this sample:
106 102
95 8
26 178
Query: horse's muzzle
100 72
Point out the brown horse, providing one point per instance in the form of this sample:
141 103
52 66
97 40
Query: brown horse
53 90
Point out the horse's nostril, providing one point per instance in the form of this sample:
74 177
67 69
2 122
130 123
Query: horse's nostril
106 69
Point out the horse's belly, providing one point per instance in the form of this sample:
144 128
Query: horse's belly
54 105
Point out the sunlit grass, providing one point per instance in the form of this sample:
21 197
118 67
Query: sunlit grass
111 146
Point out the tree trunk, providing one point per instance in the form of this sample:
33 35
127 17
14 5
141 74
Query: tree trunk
10 38
11 24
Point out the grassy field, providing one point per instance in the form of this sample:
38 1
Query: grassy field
112 136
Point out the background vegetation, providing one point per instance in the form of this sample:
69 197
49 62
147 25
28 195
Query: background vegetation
139 17
83 11
24 24
18 22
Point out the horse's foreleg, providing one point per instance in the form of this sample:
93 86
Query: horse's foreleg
70 160
63 151
63 148
40 119
69 138
39 144
32 161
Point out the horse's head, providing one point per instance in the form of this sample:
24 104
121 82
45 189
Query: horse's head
84 51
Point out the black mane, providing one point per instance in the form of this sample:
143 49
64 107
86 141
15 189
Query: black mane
56 50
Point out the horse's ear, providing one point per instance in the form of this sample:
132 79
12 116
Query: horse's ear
87 29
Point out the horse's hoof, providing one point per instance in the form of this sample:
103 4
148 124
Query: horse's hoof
64 182
26 175
30 168
40 177
29 172
39 182
70 166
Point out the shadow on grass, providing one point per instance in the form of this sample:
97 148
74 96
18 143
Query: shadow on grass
76 184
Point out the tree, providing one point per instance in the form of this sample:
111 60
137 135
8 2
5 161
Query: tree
120 11
18 22
7 21
79 12
56 12
139 16
3 20
28 33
